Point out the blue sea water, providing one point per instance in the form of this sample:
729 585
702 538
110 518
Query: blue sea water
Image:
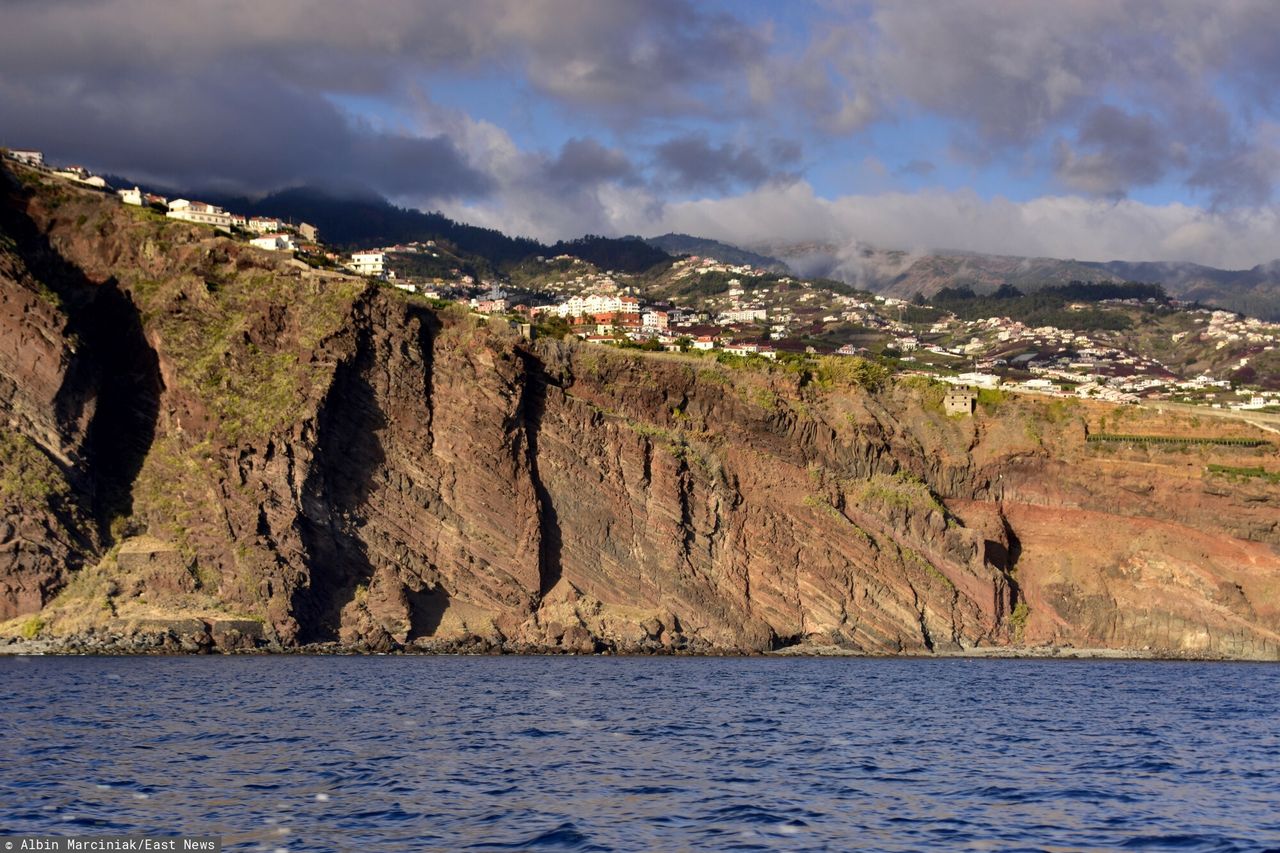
439 753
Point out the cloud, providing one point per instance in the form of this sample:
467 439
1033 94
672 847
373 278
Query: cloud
916 169
587 161
1051 226
1013 78
1116 151
622 57
229 131
692 162
682 112
240 95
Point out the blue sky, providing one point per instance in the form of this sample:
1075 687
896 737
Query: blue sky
1144 129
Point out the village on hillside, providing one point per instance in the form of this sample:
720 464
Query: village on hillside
700 305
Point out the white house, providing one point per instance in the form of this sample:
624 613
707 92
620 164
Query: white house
597 303
274 242
198 211
81 175
368 263
654 320
265 225
31 158
981 380
133 196
744 315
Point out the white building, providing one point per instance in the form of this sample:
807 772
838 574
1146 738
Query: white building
598 303
744 315
133 196
81 175
980 380
31 158
368 263
654 320
274 242
265 225
198 211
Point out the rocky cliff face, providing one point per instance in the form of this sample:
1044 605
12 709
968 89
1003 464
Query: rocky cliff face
214 446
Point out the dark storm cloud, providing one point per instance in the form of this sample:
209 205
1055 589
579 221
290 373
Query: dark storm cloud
693 162
628 57
233 130
1244 176
1116 151
238 93
586 161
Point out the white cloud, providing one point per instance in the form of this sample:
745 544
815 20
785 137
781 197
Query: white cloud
1050 226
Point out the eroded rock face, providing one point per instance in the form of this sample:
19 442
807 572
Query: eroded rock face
353 467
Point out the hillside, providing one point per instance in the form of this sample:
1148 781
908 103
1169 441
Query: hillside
210 446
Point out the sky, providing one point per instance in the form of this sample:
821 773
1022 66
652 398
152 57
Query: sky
1090 129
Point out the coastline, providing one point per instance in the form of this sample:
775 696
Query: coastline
134 647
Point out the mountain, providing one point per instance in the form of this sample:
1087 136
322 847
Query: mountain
208 446
904 274
1255 291
686 244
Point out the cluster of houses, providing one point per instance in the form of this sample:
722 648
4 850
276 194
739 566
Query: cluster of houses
268 232
374 262
750 312
613 317
78 174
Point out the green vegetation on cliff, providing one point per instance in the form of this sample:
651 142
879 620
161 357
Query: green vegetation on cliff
27 475
245 342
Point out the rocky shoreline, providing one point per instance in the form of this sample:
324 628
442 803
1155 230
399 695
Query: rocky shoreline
249 642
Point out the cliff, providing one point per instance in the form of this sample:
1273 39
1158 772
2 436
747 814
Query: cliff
210 446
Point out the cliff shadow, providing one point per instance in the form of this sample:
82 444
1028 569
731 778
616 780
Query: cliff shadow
532 409
124 424
426 611
114 369
428 329
348 454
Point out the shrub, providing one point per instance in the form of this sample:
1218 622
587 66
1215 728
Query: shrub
31 628
837 371
991 399
1018 620
1257 472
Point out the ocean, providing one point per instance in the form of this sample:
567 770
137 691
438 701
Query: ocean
546 753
